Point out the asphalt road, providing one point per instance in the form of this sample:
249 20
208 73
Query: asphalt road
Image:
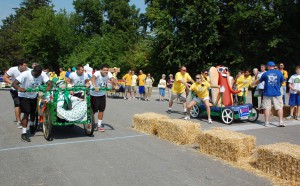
120 156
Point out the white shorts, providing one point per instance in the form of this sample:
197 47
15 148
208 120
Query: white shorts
198 100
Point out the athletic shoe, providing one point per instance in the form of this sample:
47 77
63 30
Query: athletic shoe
281 124
297 118
125 98
169 111
25 138
101 129
209 121
290 117
266 124
32 129
19 125
187 118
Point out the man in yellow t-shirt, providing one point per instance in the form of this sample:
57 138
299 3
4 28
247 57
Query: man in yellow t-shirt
128 81
141 81
179 86
201 91
285 77
62 74
243 82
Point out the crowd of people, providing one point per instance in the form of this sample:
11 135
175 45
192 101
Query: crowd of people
270 84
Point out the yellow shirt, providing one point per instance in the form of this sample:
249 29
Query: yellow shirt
141 79
241 82
52 75
128 79
285 76
179 87
115 75
62 75
201 90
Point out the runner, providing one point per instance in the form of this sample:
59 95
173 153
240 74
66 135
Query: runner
28 100
98 98
78 78
13 73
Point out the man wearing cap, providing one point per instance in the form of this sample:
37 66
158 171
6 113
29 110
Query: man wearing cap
273 80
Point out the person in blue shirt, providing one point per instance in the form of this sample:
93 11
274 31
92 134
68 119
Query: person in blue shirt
273 80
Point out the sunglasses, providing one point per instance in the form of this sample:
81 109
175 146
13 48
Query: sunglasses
197 78
222 68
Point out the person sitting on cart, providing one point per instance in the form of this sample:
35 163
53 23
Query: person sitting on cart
78 78
200 88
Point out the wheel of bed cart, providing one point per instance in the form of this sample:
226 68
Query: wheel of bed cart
47 125
227 116
89 128
255 116
195 111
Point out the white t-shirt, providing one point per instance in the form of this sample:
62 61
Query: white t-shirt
78 80
13 72
28 81
134 79
262 84
295 79
100 82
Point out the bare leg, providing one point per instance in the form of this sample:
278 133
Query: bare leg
280 115
18 114
100 115
190 106
292 111
25 120
267 115
206 102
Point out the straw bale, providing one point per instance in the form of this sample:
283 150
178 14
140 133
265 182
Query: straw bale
178 131
281 160
226 144
147 122
286 111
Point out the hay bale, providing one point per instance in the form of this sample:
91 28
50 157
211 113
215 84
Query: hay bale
147 122
178 131
281 160
226 144
286 111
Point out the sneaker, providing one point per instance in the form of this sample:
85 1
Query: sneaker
281 124
101 129
266 124
19 125
297 118
290 117
187 118
32 129
169 111
25 138
125 98
209 121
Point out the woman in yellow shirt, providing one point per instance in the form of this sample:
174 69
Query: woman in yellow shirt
201 91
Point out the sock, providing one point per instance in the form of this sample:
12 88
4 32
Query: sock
24 130
99 123
184 110
169 108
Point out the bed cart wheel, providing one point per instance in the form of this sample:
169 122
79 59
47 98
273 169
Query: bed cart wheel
255 114
195 111
227 116
47 126
89 128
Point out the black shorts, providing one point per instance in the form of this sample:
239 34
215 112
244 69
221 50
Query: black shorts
15 97
28 106
98 103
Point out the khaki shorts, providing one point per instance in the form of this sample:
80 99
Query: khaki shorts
276 101
181 97
133 88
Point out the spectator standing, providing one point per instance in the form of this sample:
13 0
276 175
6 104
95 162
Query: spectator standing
52 75
62 74
285 77
128 82
162 87
261 85
253 88
204 76
134 84
273 80
141 81
294 101
68 72
115 73
13 73
170 84
243 83
148 86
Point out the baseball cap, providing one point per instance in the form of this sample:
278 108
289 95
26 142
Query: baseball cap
271 64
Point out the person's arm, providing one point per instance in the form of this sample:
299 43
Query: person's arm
93 80
49 85
6 78
16 86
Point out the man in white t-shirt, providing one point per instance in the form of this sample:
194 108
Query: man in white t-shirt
78 78
98 98
294 102
28 100
13 73
261 85
134 84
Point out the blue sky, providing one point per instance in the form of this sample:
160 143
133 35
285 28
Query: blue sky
6 6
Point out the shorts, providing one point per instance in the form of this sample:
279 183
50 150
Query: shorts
15 97
181 97
28 106
127 88
294 100
141 89
98 103
134 88
198 100
277 102
162 91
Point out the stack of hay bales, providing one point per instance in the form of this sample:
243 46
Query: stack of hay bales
281 160
147 122
178 131
227 145
286 111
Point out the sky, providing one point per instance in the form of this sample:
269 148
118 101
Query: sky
6 6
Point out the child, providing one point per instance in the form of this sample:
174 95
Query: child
201 90
294 101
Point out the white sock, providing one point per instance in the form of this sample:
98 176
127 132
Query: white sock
184 110
24 130
99 123
170 108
